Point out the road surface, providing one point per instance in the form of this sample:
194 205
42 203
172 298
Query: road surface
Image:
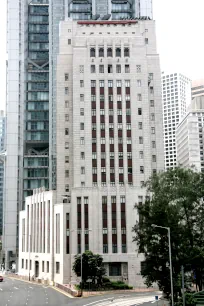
18 293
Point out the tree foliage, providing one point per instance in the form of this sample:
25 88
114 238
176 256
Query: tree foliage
92 267
174 199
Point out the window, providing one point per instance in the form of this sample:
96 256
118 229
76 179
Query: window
66 132
66 104
48 266
119 84
153 130
66 159
69 41
154 158
141 154
139 83
152 117
140 125
66 145
153 144
140 140
118 52
146 41
115 269
141 169
152 103
110 69
151 89
43 266
109 52
81 111
66 90
82 170
101 52
81 126
93 69
101 83
138 68
81 68
82 141
127 83
118 68
66 117
81 83
139 111
66 173
110 84
66 77
127 68
82 184
151 76
139 97
92 52
81 97
82 155
66 188
22 264
57 267
101 68
126 52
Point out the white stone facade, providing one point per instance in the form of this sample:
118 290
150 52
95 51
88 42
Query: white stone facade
176 95
95 124
189 136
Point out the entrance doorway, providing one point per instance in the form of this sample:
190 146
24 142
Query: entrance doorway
36 269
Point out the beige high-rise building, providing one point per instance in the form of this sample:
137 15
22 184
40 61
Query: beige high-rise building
109 141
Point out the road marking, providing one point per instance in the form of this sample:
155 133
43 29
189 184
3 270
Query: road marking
31 287
1 289
99 301
16 288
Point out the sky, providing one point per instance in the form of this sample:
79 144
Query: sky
180 39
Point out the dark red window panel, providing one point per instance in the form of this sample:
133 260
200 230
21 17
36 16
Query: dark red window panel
123 239
128 133
102 90
86 239
111 133
93 133
67 245
129 148
127 104
93 105
93 119
119 105
128 119
103 148
86 216
119 90
102 119
104 208
120 119
127 90
110 105
103 163
112 177
122 207
94 178
94 163
129 163
120 133
114 239
105 238
114 208
103 133
103 177
111 147
67 221
112 163
93 90
93 147
110 119
120 147
121 177
130 178
120 162
102 105
110 90
79 238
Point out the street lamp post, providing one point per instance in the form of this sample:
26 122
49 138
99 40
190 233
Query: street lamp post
170 261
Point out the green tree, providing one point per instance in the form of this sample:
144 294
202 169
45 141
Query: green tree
92 267
174 199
